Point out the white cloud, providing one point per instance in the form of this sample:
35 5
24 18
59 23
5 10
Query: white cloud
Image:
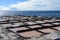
30 5
4 8
37 5
34 5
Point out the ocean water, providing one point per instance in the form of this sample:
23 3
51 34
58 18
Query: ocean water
32 13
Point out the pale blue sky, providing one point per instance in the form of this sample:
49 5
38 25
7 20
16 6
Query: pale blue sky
8 2
28 5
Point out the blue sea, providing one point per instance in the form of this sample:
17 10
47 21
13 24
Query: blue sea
33 13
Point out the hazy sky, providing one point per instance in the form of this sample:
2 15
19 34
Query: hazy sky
29 5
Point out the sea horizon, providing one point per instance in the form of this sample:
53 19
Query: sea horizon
31 13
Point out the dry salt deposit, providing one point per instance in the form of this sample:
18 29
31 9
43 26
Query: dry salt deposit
29 28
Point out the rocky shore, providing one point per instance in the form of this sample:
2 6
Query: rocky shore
29 28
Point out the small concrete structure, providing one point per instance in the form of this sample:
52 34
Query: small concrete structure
35 26
48 30
47 25
15 25
58 28
19 23
16 29
31 23
56 23
48 21
13 21
30 34
6 25
40 22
